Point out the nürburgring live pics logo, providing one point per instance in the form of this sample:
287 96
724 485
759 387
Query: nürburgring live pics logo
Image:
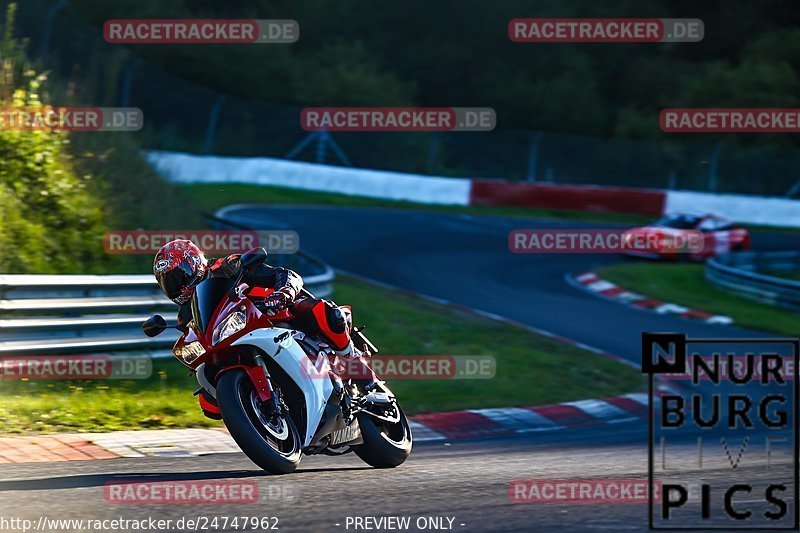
723 445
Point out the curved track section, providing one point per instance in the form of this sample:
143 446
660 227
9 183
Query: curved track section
465 259
464 484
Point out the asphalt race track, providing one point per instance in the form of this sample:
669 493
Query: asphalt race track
465 260
466 481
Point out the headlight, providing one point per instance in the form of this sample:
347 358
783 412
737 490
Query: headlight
235 322
189 353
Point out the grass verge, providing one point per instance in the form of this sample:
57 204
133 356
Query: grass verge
162 401
685 284
531 370
210 197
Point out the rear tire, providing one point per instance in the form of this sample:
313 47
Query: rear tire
386 445
238 405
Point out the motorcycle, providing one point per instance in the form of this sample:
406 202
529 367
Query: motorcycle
278 389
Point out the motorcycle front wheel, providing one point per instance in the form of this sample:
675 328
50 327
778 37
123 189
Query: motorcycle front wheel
273 443
386 444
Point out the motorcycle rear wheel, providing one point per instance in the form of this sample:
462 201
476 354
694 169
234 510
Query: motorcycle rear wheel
248 426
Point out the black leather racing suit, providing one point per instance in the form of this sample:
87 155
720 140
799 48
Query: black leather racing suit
314 317
268 276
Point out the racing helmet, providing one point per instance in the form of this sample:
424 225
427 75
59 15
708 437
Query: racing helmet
179 266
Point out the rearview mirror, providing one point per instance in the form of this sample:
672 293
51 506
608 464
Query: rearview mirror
254 257
153 326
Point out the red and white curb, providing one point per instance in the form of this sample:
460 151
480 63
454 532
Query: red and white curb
426 427
590 282
515 420
91 446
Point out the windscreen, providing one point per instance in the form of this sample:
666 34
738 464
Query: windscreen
679 222
206 299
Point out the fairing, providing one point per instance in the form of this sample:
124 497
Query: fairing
286 352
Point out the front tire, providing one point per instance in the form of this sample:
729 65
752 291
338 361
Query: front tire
386 445
247 425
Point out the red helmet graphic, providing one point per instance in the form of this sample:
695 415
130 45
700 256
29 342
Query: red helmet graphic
179 266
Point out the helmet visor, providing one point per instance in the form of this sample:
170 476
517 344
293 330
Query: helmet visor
174 282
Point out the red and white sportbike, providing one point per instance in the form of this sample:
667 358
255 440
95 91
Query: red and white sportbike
275 386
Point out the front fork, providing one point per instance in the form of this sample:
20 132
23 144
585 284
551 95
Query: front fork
259 375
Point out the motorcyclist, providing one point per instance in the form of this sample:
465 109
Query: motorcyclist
179 266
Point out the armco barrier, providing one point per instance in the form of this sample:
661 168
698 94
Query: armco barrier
93 314
744 274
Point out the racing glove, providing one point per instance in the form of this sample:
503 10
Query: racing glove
276 301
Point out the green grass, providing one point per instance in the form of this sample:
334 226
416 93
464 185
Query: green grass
163 401
685 284
531 370
210 197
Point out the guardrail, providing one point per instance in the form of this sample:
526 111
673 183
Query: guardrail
744 273
42 314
